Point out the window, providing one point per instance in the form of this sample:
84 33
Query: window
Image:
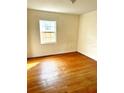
47 31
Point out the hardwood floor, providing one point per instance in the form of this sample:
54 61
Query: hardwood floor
64 73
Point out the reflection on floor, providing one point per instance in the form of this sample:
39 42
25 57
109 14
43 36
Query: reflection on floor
64 73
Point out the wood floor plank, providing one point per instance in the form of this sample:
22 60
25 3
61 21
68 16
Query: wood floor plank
64 73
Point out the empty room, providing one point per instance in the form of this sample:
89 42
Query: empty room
61 46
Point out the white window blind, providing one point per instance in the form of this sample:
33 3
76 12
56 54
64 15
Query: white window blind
47 31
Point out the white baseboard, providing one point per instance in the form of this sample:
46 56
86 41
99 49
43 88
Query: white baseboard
88 56
50 54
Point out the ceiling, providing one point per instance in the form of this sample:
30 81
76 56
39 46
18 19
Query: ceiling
63 6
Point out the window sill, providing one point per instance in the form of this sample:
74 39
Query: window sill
48 43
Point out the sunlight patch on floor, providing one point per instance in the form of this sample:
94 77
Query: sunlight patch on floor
30 65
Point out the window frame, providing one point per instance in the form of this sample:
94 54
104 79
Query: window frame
55 32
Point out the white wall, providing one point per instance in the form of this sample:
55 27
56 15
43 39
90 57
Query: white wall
67 31
87 34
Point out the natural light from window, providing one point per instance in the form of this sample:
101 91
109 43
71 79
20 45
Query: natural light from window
47 31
